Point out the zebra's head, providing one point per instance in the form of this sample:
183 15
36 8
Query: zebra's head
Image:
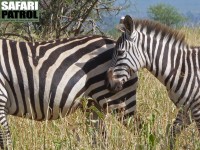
126 56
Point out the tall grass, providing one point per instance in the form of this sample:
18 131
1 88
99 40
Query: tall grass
75 132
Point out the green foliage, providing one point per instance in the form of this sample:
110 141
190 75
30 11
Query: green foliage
114 33
166 14
62 18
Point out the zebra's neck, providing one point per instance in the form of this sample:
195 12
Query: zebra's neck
170 60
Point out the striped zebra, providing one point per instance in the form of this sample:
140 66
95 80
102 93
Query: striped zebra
168 57
45 80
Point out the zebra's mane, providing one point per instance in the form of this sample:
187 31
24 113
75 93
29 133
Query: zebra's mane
158 27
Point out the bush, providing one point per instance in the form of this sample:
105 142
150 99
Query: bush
166 14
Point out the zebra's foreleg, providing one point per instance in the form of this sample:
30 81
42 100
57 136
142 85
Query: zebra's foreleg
182 121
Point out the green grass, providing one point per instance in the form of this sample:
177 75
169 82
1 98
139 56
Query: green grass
75 132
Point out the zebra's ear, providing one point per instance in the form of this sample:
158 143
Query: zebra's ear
121 27
128 23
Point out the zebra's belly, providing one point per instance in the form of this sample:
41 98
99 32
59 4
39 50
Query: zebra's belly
49 113
183 100
42 109
43 96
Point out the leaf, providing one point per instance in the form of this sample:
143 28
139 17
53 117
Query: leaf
152 140
100 114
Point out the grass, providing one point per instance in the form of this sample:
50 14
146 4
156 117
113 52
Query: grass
75 132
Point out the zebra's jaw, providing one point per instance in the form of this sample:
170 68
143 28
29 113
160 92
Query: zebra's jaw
113 84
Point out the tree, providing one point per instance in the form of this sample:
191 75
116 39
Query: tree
166 14
62 18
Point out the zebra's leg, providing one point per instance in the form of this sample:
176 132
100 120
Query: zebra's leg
182 121
5 138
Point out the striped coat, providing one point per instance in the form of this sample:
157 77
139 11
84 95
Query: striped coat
43 81
166 54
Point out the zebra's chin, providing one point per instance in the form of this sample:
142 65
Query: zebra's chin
114 85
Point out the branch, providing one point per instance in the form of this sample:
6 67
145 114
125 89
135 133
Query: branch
85 17
18 35
28 32
74 19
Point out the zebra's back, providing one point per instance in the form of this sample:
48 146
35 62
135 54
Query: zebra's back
43 80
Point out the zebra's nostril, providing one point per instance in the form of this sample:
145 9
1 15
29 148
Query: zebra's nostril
118 86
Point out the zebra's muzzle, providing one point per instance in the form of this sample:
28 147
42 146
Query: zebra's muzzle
113 85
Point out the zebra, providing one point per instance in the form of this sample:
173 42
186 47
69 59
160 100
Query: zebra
46 80
165 53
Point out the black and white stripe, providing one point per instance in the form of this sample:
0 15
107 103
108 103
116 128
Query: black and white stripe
168 57
43 81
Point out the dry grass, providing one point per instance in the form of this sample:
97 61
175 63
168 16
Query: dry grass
153 107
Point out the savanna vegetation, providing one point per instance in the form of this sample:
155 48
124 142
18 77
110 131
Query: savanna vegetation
166 14
75 132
